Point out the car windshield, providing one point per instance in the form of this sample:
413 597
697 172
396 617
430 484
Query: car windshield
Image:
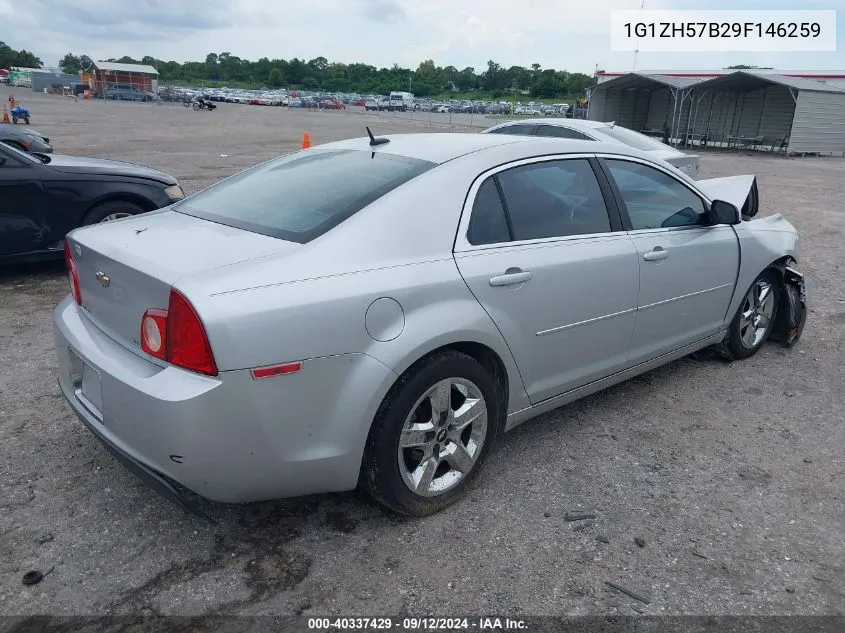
634 139
303 195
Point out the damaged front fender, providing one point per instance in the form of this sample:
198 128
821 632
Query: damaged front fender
791 313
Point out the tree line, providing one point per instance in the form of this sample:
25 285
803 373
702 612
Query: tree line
22 59
320 74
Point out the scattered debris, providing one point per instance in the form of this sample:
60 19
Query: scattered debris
821 579
578 527
788 394
700 555
32 577
44 538
628 592
640 541
578 516
790 590
637 608
547 514
807 460
601 538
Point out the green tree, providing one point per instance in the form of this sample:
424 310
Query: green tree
70 64
276 79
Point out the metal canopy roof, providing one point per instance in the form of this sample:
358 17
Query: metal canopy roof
141 69
642 81
737 81
745 81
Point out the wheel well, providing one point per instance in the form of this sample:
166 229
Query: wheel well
142 202
488 359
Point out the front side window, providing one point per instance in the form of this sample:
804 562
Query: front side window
554 199
654 199
303 195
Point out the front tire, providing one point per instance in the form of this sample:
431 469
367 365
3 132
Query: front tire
111 210
432 433
755 317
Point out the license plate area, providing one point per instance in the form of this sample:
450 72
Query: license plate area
86 385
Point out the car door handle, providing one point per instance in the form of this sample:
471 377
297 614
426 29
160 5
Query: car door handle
657 254
511 277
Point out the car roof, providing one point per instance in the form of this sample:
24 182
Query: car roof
445 146
435 147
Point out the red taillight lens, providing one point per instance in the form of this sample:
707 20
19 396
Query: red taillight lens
187 342
154 333
177 336
72 274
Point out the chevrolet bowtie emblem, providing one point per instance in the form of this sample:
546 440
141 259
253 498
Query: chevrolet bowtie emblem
102 279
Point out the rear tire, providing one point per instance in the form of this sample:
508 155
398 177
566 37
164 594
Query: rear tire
110 210
755 316
420 455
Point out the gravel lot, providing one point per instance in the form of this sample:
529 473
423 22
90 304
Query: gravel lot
730 476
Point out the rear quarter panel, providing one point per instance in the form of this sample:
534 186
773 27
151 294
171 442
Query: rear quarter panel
328 316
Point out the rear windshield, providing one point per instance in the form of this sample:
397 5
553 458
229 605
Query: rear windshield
631 138
303 195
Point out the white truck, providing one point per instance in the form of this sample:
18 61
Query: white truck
401 101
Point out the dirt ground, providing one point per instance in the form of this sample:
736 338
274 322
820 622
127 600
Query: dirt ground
730 477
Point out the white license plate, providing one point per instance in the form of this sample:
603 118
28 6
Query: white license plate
86 385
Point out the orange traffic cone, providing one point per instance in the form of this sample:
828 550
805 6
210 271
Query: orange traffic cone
306 138
5 114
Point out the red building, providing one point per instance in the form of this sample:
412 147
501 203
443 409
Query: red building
106 75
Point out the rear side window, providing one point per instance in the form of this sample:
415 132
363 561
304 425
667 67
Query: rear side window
488 223
513 129
554 199
303 195
561 132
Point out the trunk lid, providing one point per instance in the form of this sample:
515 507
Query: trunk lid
128 266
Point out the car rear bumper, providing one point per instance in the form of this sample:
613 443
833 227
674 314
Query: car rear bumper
228 438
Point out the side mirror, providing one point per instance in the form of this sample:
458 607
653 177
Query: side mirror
722 212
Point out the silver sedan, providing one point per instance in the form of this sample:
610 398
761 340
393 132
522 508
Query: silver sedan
377 312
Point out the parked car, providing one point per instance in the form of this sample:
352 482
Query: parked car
377 312
45 196
128 94
26 139
598 131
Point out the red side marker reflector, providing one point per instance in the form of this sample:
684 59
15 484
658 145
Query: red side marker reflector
276 370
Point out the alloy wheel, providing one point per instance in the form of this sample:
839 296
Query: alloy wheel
442 437
756 315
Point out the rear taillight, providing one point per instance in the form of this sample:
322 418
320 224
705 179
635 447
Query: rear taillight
72 274
177 335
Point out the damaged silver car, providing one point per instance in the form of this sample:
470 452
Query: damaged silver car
376 312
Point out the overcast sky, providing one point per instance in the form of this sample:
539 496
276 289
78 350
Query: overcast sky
562 34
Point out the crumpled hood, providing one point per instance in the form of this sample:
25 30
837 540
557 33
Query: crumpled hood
733 189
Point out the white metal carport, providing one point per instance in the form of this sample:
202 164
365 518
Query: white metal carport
657 105
739 109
